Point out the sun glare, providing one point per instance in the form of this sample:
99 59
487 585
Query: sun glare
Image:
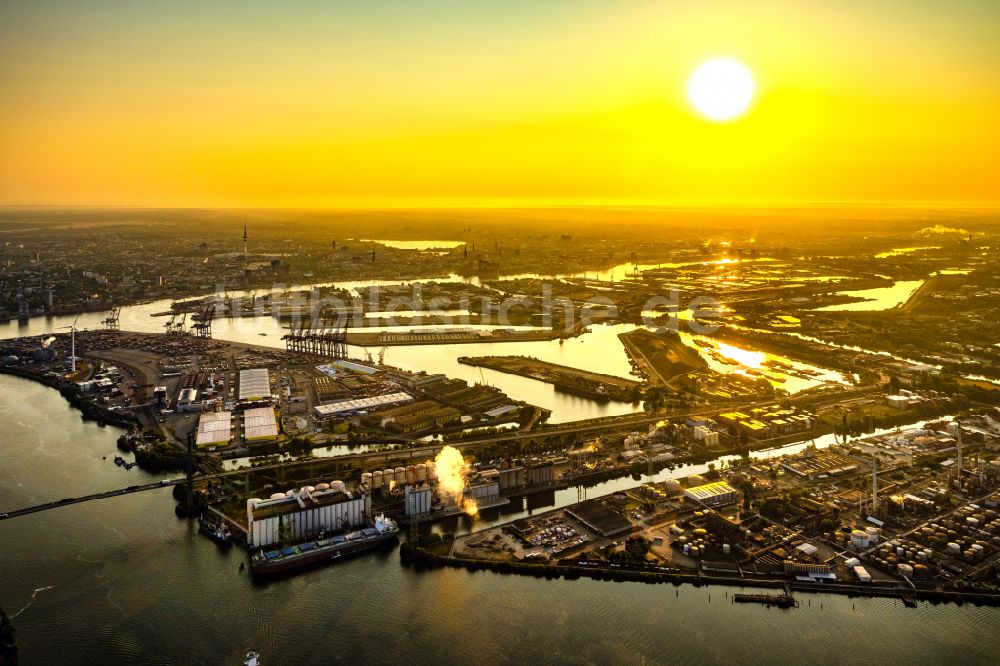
721 89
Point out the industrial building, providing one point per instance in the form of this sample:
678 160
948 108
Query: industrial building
331 368
417 500
255 384
302 513
712 494
259 424
187 400
361 404
214 429
485 492
601 518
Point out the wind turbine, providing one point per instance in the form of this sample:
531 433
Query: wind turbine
72 343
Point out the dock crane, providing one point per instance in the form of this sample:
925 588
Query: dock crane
111 322
202 326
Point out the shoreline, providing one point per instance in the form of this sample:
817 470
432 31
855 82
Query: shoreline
421 558
69 391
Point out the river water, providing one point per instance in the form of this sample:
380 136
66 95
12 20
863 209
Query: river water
604 352
598 350
123 581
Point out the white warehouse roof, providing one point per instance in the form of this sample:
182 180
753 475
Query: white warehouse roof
254 383
357 404
259 423
710 493
213 428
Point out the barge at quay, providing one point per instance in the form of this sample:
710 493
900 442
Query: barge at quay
271 561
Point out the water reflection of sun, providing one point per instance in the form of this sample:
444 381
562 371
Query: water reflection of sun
751 359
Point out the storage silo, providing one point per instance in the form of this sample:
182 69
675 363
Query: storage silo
377 479
400 475
366 479
421 472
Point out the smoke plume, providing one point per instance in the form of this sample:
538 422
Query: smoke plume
452 473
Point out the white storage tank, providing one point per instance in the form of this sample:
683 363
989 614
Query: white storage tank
277 496
726 549
904 569
389 477
421 472
366 479
859 538
695 480
673 485
377 479
432 471
954 548
400 475
338 486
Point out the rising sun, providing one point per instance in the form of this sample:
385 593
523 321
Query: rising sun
721 89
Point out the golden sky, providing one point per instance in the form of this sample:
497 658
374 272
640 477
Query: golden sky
332 103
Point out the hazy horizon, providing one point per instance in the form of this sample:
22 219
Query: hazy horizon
309 105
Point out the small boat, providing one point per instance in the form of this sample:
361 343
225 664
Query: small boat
217 533
252 659
262 334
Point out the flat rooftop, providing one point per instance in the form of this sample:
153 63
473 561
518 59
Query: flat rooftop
259 423
255 383
599 517
214 428
357 404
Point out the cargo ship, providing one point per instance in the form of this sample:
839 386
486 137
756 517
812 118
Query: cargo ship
271 561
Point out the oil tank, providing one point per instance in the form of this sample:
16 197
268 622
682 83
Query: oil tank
400 475
366 479
411 475
388 477
695 480
338 486
432 471
278 496
673 485
322 486
377 479
421 472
